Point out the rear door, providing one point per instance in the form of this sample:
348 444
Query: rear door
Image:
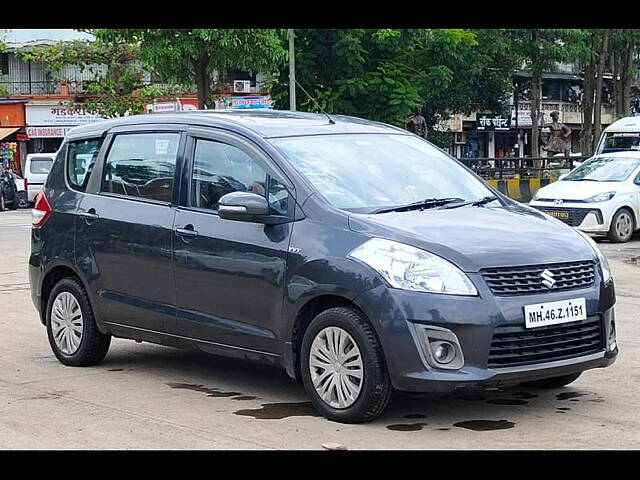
230 274
124 233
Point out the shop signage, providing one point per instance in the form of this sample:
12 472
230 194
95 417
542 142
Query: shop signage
257 101
47 132
58 116
498 123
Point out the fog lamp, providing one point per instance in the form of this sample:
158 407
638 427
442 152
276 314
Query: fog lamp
611 342
440 347
443 352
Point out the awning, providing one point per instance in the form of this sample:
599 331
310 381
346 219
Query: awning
5 132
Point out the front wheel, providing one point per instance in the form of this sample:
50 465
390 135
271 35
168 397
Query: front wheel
343 367
71 328
555 382
622 226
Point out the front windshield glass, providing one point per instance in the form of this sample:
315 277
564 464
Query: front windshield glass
604 169
616 142
364 172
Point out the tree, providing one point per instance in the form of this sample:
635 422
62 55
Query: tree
187 57
597 103
541 49
118 83
3 90
624 45
387 74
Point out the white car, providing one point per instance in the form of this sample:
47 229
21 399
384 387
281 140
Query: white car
601 196
36 170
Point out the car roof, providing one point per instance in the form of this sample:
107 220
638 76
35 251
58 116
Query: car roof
627 124
266 123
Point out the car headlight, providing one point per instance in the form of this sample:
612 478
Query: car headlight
604 265
600 197
410 268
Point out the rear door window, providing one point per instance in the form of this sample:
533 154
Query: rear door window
81 157
142 165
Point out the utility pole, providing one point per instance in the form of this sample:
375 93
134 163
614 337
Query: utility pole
292 73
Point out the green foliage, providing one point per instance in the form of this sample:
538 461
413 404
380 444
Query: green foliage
190 57
117 85
387 74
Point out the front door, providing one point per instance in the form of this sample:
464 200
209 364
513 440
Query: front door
124 234
230 274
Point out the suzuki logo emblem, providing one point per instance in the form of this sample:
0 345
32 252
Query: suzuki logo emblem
558 202
548 279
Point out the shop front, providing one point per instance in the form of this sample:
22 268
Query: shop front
47 124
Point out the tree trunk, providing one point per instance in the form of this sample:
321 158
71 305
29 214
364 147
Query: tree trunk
626 85
536 94
586 138
618 82
203 81
597 105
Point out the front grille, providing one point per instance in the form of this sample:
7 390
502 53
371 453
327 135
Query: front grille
527 280
576 215
512 346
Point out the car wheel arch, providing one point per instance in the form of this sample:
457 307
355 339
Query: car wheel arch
53 275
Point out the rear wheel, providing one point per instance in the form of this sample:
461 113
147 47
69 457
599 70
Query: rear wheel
22 199
622 226
343 368
71 328
555 382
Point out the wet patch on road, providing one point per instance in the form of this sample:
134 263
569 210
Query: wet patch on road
407 427
245 397
211 392
524 395
278 411
507 401
569 395
472 398
115 370
415 415
485 425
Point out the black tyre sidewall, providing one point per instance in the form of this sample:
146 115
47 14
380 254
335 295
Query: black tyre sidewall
374 394
613 234
92 347
2 204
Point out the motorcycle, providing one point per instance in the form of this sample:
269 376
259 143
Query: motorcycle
8 191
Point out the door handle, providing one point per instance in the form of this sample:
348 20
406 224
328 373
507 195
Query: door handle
187 231
90 216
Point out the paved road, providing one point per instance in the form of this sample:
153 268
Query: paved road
148 396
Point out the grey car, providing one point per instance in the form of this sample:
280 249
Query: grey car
355 255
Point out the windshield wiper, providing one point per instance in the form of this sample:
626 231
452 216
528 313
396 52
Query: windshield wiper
583 180
475 203
426 203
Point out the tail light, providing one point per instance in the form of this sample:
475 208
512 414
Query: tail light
41 210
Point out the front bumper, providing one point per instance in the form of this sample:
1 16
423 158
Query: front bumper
397 313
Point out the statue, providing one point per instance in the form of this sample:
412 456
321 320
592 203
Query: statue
558 139
417 124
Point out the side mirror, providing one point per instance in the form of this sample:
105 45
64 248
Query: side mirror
243 206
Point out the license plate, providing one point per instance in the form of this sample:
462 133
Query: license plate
553 313
563 214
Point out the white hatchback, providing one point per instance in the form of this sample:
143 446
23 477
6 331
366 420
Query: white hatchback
601 196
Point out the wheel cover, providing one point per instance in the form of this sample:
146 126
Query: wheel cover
335 364
66 323
623 225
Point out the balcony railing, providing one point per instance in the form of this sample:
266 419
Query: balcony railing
39 87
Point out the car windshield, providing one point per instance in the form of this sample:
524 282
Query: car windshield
366 172
40 165
616 142
604 169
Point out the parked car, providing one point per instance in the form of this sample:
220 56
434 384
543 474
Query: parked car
21 188
37 166
621 136
601 196
355 255
8 192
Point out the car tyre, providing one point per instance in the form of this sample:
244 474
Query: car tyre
71 328
2 204
622 226
22 199
554 382
349 326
